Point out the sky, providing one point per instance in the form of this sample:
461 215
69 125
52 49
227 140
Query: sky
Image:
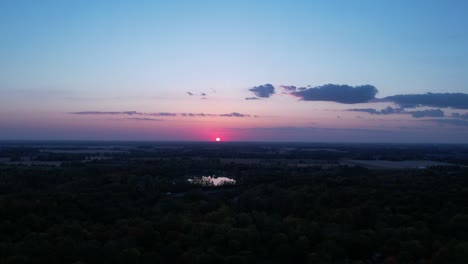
308 71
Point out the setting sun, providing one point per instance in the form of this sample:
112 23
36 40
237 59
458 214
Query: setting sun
218 139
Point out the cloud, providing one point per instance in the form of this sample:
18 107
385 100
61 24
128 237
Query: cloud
263 91
105 113
427 113
123 113
235 114
289 88
371 111
144 119
453 100
202 94
161 114
347 94
386 111
199 114
390 111
344 94
164 114
460 116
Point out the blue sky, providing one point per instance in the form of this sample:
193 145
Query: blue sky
58 57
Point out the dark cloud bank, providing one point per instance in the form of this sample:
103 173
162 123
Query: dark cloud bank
453 100
427 113
263 91
347 94
344 94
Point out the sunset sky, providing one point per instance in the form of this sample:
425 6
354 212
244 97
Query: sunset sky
314 71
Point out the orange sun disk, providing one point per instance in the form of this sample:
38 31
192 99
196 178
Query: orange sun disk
218 139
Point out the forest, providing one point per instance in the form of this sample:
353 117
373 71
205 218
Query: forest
147 212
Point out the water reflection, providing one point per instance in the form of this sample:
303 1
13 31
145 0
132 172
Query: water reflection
212 181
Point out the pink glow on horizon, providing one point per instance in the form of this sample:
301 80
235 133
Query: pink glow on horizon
349 128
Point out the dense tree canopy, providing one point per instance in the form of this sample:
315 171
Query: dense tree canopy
147 212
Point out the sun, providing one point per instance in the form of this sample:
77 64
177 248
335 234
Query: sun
218 139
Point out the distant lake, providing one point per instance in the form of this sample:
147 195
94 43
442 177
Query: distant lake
212 181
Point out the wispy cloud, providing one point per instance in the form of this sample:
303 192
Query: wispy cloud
386 111
390 111
144 119
308 129
105 113
235 114
197 114
202 94
122 113
162 114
